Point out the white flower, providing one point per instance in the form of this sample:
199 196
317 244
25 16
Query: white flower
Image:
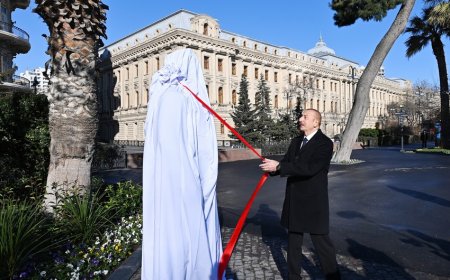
105 272
69 265
43 273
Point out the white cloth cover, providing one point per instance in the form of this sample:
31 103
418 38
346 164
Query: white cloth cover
181 231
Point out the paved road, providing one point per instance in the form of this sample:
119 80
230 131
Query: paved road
393 209
390 217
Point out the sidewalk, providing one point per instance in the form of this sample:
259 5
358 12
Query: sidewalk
256 257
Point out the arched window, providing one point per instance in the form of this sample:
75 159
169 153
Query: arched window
205 29
265 49
311 103
207 90
245 43
276 101
220 95
256 46
233 40
318 104
233 97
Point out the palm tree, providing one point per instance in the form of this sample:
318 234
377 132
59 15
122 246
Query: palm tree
76 28
422 33
440 14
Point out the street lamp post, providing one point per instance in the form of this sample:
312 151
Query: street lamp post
401 114
35 84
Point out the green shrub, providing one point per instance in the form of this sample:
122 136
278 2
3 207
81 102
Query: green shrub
24 142
23 234
124 198
368 132
81 217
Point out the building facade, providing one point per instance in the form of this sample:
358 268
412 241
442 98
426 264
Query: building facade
37 79
321 79
13 41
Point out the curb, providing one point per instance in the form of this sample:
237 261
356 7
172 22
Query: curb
128 268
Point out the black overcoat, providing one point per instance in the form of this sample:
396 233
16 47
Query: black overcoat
305 207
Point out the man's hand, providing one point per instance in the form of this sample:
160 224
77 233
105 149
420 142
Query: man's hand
269 165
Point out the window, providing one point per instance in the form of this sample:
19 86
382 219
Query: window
137 70
290 78
220 65
331 107
317 83
206 63
276 101
275 77
245 71
289 54
220 95
318 104
311 104
275 52
245 44
146 67
266 75
233 69
296 79
222 129
265 49
207 90
233 97
128 74
233 40
323 85
335 107
256 73
290 104
325 106
157 63
205 29
137 99
256 47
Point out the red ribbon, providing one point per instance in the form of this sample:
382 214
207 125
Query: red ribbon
237 231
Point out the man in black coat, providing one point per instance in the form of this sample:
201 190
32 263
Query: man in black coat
305 208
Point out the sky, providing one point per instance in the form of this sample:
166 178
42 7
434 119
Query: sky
294 24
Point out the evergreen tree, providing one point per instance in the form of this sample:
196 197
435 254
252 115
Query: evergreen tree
243 115
264 122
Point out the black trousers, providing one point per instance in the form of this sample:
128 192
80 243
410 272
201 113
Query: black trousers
324 249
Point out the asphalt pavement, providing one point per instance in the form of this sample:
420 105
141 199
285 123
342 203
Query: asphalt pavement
389 217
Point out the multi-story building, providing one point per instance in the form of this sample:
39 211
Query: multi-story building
13 41
37 79
325 81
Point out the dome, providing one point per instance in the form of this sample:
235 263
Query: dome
321 49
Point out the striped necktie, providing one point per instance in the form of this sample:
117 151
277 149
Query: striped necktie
305 140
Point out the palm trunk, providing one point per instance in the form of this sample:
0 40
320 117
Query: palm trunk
438 51
73 125
75 30
362 101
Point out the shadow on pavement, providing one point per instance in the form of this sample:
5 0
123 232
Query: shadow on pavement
360 251
436 245
275 237
423 196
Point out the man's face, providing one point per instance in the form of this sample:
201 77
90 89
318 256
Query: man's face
308 122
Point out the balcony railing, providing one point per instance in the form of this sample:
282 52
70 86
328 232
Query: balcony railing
8 27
